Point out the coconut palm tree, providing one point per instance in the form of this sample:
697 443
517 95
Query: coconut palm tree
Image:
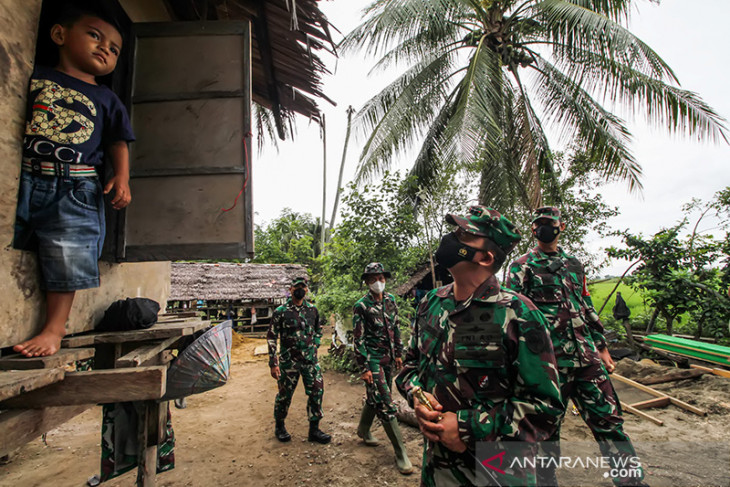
485 78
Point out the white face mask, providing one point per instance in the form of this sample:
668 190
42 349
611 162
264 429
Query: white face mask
377 287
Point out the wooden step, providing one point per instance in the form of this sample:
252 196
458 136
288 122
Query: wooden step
159 331
59 359
18 382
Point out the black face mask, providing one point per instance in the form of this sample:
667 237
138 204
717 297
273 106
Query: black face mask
299 293
451 251
546 233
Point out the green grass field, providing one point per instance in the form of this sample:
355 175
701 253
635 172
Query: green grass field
600 290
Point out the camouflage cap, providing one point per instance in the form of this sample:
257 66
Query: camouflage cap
299 280
487 222
374 268
546 212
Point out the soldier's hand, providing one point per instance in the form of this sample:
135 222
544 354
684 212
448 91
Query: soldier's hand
275 373
607 360
367 377
428 421
398 363
450 435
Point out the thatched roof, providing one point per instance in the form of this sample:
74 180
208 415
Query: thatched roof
287 34
226 281
416 277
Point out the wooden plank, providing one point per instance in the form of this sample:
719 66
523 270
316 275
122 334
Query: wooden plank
156 332
18 382
641 387
145 352
58 359
679 374
657 402
148 433
688 407
179 314
21 426
656 393
96 387
629 409
718 372
86 340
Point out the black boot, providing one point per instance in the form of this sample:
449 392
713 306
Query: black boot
317 435
280 431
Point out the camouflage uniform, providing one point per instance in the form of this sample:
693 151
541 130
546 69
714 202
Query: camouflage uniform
557 285
490 361
300 331
377 344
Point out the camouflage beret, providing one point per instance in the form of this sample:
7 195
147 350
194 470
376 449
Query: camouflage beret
487 222
374 268
299 280
546 212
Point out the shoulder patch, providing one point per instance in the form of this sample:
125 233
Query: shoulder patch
536 340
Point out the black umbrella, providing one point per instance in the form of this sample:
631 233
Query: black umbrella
204 365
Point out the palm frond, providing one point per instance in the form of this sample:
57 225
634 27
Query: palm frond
430 160
391 22
573 27
617 10
583 120
477 112
680 110
397 115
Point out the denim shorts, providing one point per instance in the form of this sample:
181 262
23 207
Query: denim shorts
63 220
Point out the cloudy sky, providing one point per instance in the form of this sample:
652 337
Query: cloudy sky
692 40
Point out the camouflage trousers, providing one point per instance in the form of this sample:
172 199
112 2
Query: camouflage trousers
313 387
593 394
378 393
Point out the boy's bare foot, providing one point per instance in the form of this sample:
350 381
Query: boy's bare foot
44 344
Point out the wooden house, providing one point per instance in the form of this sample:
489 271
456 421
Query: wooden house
247 294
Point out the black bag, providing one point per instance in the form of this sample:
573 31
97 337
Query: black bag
129 314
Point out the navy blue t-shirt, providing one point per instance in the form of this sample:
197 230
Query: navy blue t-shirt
69 120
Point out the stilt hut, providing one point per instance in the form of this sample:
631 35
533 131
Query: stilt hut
247 294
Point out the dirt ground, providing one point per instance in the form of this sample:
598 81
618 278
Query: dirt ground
225 438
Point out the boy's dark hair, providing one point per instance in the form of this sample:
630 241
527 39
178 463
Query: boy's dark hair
73 11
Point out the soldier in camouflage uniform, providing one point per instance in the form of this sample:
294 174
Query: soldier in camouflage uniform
556 283
483 356
299 329
378 348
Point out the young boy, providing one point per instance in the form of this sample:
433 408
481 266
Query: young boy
72 124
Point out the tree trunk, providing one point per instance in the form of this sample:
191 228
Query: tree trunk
699 327
652 321
629 334
670 322
350 111
324 183
405 413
